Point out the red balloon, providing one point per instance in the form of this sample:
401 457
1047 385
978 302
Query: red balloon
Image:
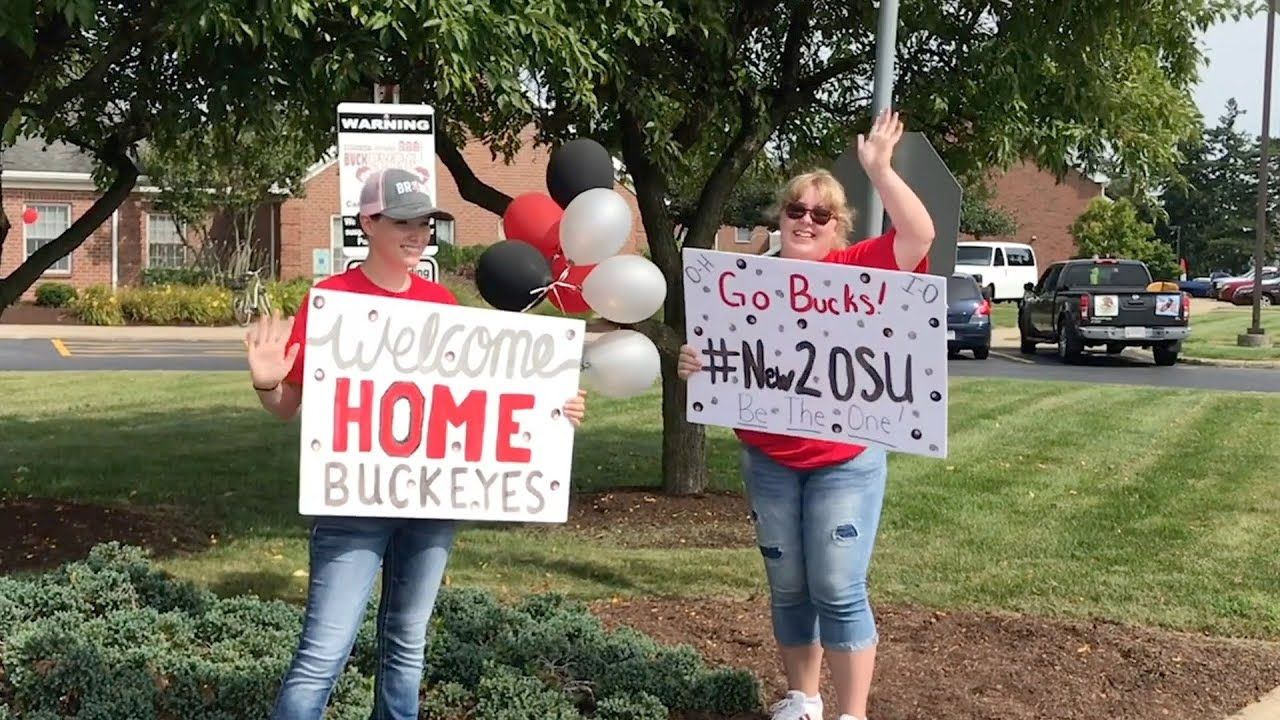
530 217
30 215
568 299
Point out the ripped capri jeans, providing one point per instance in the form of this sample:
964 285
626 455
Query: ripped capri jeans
816 530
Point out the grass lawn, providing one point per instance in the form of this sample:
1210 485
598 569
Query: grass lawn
1147 505
1213 334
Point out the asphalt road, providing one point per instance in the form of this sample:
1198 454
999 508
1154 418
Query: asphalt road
229 355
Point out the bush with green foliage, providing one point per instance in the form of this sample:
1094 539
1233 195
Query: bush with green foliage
55 295
113 637
460 260
1112 228
287 296
207 305
176 276
97 305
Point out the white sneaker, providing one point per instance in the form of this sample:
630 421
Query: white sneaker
796 706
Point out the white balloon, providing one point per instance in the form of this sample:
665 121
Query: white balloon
620 364
595 226
625 289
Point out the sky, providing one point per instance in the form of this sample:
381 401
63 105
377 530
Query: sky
1236 52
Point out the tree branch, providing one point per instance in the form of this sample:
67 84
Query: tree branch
12 287
472 188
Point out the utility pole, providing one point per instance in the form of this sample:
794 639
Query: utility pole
871 222
1256 335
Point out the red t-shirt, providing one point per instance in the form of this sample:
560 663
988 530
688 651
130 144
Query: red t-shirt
354 280
807 453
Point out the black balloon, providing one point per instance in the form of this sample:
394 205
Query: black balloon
577 166
509 272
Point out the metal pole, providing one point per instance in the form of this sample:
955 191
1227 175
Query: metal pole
871 222
1263 166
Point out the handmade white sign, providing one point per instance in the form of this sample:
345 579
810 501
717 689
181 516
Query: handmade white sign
810 349
421 410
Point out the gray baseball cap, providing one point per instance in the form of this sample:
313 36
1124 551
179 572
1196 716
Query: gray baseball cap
398 194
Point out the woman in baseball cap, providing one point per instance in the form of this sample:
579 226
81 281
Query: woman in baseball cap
346 553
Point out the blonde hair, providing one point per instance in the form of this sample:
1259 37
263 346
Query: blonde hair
829 190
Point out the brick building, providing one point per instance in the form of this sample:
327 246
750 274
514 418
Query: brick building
1044 208
56 182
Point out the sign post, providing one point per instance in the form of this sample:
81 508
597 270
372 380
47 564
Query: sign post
923 170
373 136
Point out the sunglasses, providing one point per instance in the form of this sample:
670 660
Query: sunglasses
820 215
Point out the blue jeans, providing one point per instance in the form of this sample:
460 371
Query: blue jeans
346 554
816 530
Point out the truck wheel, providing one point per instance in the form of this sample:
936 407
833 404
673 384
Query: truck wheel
1114 348
1069 346
1165 355
1026 343
981 353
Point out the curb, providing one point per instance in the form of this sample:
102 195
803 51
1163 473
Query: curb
1214 362
1267 708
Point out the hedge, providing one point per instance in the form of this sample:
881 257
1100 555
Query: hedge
207 305
111 636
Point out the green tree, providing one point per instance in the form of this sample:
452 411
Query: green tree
690 111
980 216
1213 207
105 75
213 181
1111 228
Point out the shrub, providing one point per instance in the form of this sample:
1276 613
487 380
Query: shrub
458 260
111 636
98 306
287 296
55 295
176 276
206 305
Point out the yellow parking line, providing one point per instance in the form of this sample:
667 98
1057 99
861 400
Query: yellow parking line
61 347
1014 358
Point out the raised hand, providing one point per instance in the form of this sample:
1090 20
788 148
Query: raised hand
875 149
688 363
269 362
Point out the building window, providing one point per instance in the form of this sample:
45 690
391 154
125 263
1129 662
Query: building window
444 232
53 220
335 231
165 248
742 236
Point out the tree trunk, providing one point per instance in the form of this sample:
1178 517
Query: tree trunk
684 445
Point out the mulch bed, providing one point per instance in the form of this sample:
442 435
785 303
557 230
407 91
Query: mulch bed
973 666
28 313
39 533
932 665
641 518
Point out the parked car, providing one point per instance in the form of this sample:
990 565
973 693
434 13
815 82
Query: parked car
1224 288
1079 304
1000 267
1270 295
1201 286
968 317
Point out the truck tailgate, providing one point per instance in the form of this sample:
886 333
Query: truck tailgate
1136 307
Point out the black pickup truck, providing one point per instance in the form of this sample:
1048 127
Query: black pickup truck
1088 303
